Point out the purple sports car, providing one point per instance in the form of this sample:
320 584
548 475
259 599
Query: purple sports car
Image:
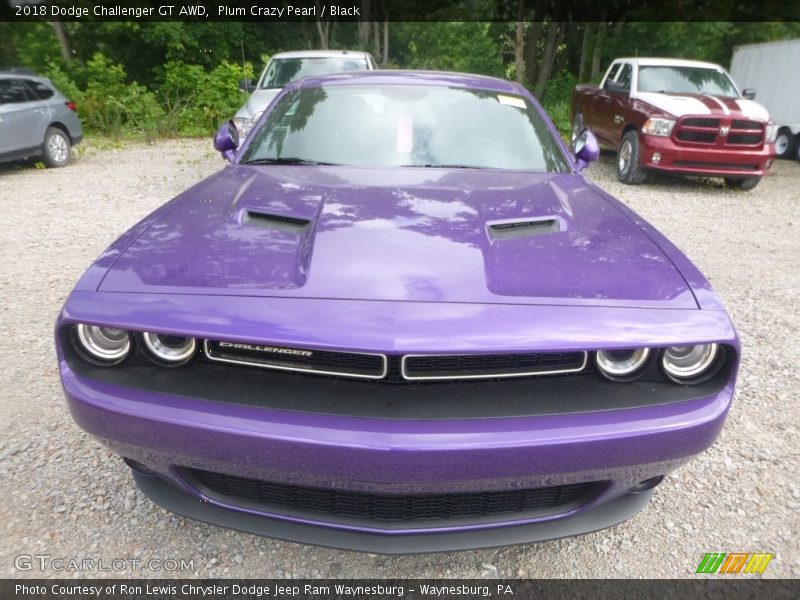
399 321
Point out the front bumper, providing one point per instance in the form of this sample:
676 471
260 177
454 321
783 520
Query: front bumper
703 159
182 503
619 448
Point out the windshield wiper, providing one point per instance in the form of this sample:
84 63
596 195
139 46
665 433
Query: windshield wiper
438 166
286 161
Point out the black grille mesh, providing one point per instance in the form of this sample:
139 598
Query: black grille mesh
345 363
754 125
391 507
687 135
488 365
745 138
701 122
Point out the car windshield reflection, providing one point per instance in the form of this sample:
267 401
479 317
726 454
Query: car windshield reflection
407 126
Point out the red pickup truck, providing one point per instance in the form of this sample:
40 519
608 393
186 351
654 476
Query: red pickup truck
680 116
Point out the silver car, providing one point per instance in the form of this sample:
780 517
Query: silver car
36 120
284 68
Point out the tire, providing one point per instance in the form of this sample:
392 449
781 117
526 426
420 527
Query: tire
744 183
784 144
629 167
577 128
57 148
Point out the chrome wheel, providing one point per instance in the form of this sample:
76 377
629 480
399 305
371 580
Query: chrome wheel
58 148
782 143
624 157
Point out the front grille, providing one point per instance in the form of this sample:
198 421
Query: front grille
745 138
385 369
705 130
754 125
349 364
688 135
393 508
700 122
469 366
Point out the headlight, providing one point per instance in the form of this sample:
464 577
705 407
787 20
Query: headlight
686 363
243 126
662 127
106 344
622 364
171 350
772 133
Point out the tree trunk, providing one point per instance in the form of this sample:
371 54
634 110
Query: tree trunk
323 29
385 61
63 42
364 25
586 52
560 61
616 36
597 55
554 32
519 46
533 40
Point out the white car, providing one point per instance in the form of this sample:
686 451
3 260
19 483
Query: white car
286 67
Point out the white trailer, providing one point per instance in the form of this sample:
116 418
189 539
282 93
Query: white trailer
772 69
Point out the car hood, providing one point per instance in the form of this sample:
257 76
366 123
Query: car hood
409 234
257 102
704 104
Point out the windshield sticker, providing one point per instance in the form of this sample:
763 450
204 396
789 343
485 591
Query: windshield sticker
511 101
405 125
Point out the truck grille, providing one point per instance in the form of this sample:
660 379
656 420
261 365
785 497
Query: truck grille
393 508
707 131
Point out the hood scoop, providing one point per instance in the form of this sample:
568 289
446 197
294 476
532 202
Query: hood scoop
274 221
530 227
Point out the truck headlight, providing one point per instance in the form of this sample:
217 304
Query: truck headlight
244 125
772 133
661 127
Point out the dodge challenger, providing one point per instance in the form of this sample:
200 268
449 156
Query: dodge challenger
400 320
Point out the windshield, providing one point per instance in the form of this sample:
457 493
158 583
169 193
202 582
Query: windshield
406 125
686 80
282 71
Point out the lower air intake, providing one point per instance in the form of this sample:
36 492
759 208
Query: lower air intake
397 508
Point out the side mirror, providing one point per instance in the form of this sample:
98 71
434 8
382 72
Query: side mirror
749 94
586 149
616 87
246 85
226 140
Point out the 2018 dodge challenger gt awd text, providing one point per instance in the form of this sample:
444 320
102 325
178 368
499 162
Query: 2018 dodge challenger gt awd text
399 321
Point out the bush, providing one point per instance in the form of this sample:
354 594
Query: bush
556 100
198 100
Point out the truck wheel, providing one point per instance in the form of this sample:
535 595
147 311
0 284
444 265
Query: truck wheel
784 143
629 168
744 183
577 128
56 148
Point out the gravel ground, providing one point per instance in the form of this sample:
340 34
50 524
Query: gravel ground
65 495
